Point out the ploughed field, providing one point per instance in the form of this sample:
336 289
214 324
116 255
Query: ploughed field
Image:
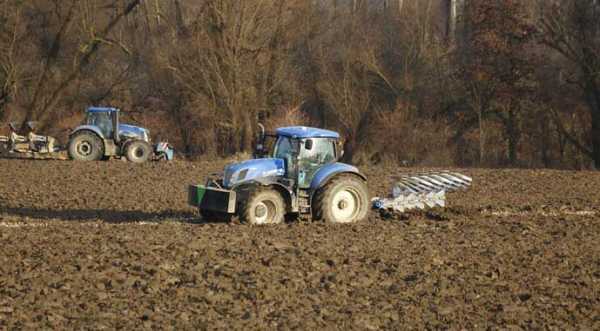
114 245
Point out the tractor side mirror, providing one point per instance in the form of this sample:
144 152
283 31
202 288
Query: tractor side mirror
308 144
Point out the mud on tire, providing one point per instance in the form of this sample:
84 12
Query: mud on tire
86 146
345 199
138 151
263 206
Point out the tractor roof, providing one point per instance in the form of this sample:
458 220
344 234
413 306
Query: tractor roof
306 132
101 109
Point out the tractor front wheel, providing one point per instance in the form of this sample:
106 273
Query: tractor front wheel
263 206
343 200
138 151
86 146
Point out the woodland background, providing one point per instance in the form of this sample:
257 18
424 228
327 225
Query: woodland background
424 82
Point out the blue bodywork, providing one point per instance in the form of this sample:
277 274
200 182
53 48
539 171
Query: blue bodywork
92 128
127 131
102 110
252 170
302 132
330 170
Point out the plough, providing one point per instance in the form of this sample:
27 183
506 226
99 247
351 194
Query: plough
31 145
422 191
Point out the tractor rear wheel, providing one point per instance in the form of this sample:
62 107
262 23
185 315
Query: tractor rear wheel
343 200
86 146
263 206
138 151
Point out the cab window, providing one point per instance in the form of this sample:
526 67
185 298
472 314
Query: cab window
103 121
322 151
283 148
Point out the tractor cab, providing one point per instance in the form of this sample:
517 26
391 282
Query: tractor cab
105 119
304 151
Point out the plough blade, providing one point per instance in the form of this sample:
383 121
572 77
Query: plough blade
422 191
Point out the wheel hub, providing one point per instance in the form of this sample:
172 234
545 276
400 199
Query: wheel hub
260 211
84 148
139 152
345 206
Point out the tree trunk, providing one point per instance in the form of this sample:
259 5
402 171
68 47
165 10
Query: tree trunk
545 141
593 100
513 136
349 146
596 138
481 137
247 133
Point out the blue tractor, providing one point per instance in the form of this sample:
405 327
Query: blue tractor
102 136
299 175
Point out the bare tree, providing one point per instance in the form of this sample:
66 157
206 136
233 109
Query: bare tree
572 28
231 65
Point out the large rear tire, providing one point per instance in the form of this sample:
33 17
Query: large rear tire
344 199
138 151
86 146
263 206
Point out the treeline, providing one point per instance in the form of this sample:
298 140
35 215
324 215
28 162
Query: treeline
432 82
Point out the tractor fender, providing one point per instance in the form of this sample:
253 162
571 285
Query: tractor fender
91 128
328 172
126 144
285 191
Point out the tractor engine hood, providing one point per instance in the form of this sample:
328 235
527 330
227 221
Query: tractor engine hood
251 170
127 131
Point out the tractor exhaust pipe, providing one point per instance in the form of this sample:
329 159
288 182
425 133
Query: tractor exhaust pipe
259 150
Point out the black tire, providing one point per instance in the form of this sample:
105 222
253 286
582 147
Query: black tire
86 146
263 206
214 216
138 151
345 199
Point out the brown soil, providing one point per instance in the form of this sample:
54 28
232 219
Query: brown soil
114 245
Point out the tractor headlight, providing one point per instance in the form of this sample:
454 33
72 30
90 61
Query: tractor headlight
242 175
227 176
233 177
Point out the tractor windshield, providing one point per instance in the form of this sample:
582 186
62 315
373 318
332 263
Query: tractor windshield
102 120
283 148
